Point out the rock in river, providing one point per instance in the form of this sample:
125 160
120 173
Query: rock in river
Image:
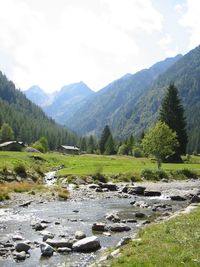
20 256
80 235
178 198
87 244
152 193
109 186
46 250
98 226
118 227
60 243
112 217
22 247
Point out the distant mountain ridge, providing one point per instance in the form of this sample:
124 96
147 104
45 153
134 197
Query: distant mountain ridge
113 105
36 95
130 105
61 104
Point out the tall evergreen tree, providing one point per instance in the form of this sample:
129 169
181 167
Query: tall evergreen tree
172 113
90 145
83 144
104 138
110 146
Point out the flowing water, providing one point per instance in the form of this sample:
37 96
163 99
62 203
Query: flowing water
18 221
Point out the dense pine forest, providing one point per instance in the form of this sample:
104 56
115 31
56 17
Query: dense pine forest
27 120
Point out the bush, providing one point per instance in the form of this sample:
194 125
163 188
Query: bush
4 196
155 175
63 194
37 145
20 169
123 150
137 152
184 174
128 177
98 176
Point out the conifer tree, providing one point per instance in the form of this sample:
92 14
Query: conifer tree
110 146
172 113
91 145
104 138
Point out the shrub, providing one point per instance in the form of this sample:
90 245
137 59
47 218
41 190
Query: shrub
128 177
137 152
4 196
37 145
20 169
156 175
63 194
184 174
98 176
123 150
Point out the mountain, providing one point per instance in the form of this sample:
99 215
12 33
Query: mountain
113 105
36 95
67 100
61 104
28 121
185 74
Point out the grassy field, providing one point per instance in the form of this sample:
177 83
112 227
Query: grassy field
173 243
88 164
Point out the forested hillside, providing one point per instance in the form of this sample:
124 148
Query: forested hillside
185 73
113 105
28 121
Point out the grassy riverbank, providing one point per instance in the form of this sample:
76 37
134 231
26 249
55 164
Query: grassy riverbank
88 164
172 243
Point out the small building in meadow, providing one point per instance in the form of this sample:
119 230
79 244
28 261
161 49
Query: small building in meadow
74 150
12 146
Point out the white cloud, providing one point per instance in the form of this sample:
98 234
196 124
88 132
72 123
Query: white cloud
78 42
190 19
166 45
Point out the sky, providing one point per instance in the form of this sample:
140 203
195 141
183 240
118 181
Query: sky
52 43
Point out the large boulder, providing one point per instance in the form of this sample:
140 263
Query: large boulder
22 246
134 190
87 244
46 250
109 186
118 227
195 199
139 190
178 198
101 227
152 193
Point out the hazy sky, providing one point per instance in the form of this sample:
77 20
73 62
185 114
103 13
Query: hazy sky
56 42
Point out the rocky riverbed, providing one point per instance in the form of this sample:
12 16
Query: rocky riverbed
39 230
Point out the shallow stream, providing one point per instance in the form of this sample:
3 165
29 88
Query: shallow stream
18 221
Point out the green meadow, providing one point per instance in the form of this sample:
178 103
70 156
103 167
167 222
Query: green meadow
173 243
89 164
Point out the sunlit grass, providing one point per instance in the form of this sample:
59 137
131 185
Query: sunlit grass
88 164
173 243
